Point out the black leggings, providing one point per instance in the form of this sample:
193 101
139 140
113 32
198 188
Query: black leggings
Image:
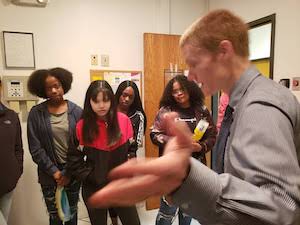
98 216
112 212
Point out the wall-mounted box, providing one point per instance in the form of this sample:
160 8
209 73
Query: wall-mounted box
15 89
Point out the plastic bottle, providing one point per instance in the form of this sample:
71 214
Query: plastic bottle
200 129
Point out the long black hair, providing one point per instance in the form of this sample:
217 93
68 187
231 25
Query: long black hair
136 104
90 129
195 93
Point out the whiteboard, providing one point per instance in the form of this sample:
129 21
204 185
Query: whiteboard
18 49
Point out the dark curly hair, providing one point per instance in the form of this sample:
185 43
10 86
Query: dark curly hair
36 81
195 93
136 104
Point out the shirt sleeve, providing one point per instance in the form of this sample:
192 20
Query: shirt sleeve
19 145
79 131
38 153
76 165
129 128
262 186
140 129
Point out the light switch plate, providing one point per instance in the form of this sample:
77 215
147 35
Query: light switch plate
105 60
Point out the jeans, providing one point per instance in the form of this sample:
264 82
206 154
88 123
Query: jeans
167 213
72 190
5 204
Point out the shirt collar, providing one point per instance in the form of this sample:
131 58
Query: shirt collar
241 86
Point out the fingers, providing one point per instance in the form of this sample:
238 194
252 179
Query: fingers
180 145
196 147
63 181
169 166
178 129
136 167
130 190
138 179
60 182
57 175
126 191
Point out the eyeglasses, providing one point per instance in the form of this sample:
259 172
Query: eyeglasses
178 92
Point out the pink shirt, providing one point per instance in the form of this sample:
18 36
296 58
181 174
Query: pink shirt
223 102
101 141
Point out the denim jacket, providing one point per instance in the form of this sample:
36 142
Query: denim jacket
40 139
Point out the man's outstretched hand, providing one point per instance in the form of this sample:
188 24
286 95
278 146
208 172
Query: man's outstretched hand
139 179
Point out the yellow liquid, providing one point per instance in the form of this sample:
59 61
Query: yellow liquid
197 135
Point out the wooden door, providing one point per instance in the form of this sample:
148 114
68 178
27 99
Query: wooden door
159 51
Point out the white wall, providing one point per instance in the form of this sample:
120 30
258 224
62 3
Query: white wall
66 33
287 36
179 16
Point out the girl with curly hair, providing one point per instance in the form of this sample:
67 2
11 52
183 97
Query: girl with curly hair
51 132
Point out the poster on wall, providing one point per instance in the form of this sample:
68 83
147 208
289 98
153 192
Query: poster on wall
115 77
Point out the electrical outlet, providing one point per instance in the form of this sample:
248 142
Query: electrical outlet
94 60
105 60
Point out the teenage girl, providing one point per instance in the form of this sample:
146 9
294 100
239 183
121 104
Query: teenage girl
104 139
186 99
129 103
51 131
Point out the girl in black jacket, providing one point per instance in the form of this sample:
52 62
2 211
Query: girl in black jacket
129 103
104 137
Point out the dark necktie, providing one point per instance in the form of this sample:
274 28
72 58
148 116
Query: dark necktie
219 149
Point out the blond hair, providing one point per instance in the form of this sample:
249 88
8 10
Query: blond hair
216 26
